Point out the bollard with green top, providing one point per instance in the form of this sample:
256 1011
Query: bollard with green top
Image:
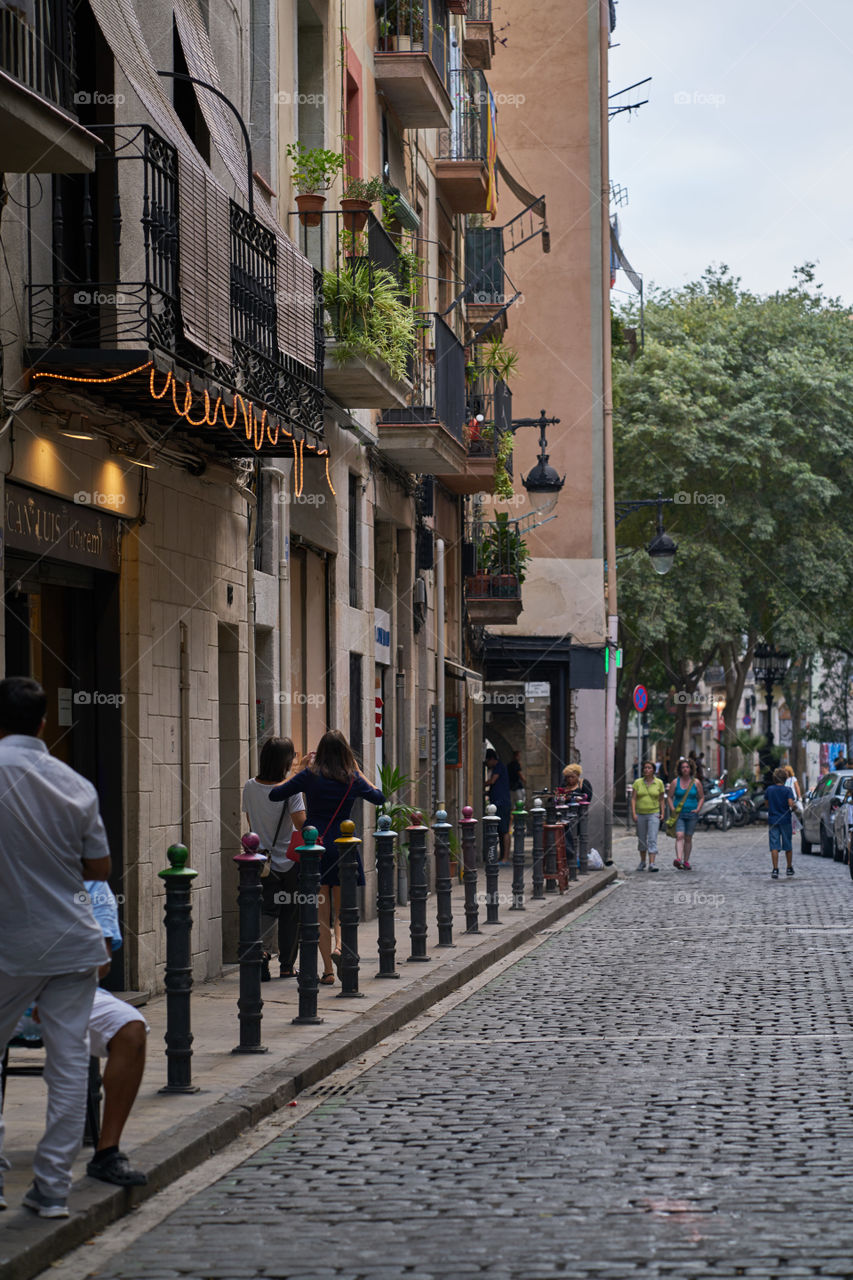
347 844
519 834
443 882
250 953
310 854
177 880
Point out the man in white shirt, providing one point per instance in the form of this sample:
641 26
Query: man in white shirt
51 839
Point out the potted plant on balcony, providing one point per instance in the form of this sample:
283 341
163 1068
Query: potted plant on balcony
367 317
314 170
502 556
401 26
359 195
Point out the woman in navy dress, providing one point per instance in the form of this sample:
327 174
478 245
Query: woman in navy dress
331 784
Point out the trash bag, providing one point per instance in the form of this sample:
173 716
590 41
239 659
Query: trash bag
594 861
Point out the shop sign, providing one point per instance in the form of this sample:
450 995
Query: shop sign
54 529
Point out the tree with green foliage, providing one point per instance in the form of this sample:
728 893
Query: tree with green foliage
740 407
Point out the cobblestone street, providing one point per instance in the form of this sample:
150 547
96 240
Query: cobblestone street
660 1089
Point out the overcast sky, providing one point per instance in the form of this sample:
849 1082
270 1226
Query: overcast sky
744 153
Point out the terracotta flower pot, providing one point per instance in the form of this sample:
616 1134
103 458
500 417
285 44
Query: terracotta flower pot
355 214
310 206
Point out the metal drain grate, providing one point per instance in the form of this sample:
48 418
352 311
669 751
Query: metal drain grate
342 1090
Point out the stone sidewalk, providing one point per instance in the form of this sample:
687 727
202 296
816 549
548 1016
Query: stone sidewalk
169 1134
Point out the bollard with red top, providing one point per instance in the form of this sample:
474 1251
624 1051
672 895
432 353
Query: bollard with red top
418 888
469 869
250 952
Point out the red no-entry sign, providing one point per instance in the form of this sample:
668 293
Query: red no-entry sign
641 698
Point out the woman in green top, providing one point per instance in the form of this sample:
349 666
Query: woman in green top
647 809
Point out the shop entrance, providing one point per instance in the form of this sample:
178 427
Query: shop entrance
62 629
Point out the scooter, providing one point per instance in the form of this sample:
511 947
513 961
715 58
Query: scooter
724 809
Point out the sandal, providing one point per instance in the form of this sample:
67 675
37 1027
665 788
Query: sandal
327 980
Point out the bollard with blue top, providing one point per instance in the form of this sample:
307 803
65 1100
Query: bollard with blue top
310 854
177 880
418 888
250 953
519 833
537 815
469 869
443 882
386 898
491 855
348 844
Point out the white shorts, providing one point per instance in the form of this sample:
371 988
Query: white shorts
109 1015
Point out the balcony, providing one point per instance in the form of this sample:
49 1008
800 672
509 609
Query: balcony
37 118
410 61
427 436
485 281
478 44
370 325
488 422
205 323
493 592
462 163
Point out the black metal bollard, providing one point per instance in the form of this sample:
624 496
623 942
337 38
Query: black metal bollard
177 879
443 882
310 854
348 844
491 854
550 855
386 897
537 815
519 833
250 950
418 888
469 869
570 826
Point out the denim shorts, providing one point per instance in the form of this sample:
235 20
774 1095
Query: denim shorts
685 823
780 836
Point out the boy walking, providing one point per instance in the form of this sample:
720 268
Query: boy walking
780 804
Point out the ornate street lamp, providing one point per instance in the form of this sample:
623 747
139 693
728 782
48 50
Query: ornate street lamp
662 548
769 665
543 482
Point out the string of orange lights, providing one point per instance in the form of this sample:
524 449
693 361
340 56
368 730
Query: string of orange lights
255 428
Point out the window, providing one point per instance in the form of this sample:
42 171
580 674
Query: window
356 705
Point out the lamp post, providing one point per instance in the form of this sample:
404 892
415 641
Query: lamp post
661 550
769 665
543 482
719 706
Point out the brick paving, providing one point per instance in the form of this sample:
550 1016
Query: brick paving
661 1089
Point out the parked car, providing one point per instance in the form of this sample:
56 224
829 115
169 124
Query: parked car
820 810
842 826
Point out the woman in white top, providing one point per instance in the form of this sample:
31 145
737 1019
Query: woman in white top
274 823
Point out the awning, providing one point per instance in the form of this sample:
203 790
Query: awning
536 204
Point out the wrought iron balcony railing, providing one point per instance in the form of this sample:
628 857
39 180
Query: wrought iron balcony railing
36 48
111 248
479 10
438 376
467 137
489 419
415 26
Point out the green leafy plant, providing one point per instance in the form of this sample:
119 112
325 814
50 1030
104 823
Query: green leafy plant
367 316
363 189
391 782
389 201
503 480
502 550
492 358
314 168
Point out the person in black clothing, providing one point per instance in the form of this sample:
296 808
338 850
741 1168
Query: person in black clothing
331 782
499 796
517 781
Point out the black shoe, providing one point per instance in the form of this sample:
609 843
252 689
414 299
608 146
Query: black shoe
775 873
266 976
116 1169
789 871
